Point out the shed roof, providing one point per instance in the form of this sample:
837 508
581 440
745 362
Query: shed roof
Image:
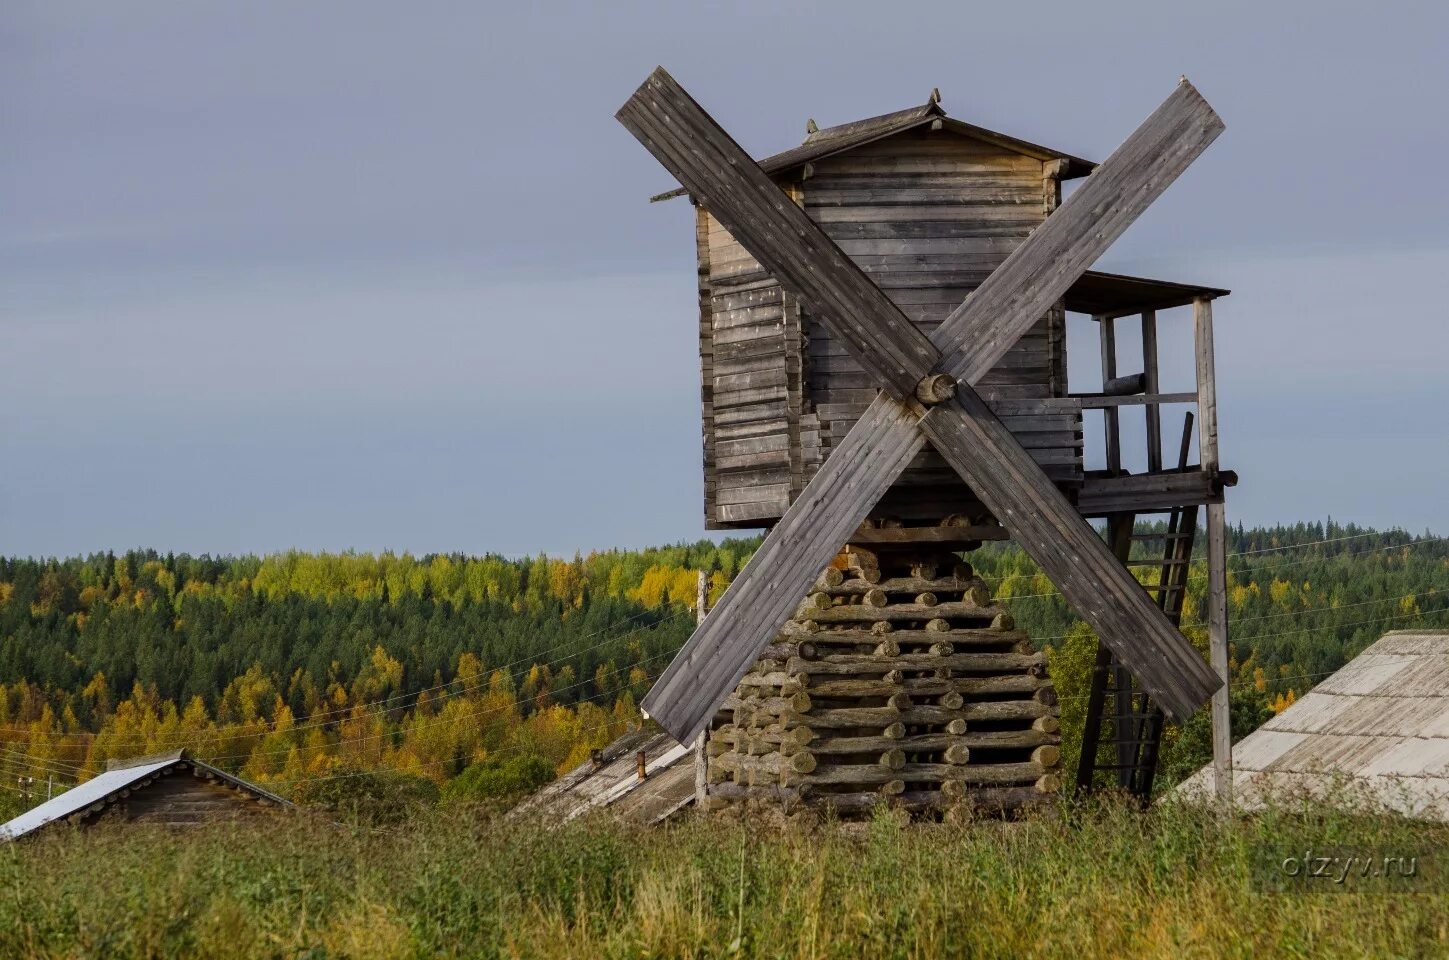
105 788
1115 294
613 782
830 141
1374 735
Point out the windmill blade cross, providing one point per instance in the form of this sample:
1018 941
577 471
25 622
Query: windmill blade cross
793 248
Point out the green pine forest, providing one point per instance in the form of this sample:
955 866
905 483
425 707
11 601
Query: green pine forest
477 677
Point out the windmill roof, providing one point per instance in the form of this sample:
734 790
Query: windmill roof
1374 734
106 787
829 141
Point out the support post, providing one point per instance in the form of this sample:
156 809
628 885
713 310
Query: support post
1217 611
1151 387
1110 416
1124 730
701 757
1217 594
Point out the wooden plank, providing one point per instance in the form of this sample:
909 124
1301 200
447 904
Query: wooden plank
1049 529
1150 493
767 591
1038 272
1095 401
780 234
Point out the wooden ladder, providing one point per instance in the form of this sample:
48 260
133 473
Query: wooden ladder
1123 728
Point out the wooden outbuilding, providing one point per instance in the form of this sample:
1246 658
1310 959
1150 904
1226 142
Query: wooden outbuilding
1371 738
172 790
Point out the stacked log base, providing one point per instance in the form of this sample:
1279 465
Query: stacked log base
898 682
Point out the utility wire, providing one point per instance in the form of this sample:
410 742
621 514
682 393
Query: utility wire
340 715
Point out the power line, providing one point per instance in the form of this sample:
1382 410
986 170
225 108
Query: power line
1289 633
200 743
341 714
1249 570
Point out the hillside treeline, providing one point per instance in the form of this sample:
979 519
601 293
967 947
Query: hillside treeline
300 667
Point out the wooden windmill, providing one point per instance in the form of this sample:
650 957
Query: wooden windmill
879 430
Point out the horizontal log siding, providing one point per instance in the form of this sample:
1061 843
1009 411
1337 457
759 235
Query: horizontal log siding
928 216
706 362
754 394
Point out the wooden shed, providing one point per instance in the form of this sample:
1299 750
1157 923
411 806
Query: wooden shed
1373 737
171 789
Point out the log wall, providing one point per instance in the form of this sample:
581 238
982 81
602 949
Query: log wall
928 215
898 682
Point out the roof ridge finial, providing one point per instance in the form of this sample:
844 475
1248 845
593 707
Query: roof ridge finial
935 95
811 126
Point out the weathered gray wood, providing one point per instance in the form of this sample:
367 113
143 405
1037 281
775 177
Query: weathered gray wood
1096 401
1150 386
1147 493
767 590
1049 529
1207 389
1037 273
1217 600
1217 611
1107 335
780 234
686 140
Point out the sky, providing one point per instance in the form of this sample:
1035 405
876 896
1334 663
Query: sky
361 275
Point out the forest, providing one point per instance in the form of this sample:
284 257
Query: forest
475 677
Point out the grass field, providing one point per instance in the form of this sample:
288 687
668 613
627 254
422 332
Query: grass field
1103 882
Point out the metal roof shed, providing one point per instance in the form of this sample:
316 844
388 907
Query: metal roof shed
172 789
1373 736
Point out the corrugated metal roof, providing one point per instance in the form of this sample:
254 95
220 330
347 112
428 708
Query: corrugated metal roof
847 136
102 789
1375 734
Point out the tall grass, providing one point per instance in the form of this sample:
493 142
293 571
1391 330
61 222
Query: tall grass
1101 882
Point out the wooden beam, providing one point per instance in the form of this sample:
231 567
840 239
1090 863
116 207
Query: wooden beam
778 233
1145 493
1130 385
1207 389
768 590
1217 600
1039 271
1097 401
1217 612
1069 552
1107 335
1151 386
701 757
